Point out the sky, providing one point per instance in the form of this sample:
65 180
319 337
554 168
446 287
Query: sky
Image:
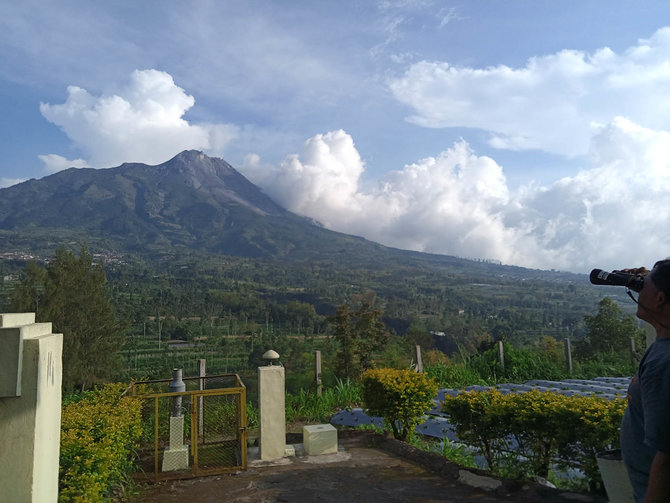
531 132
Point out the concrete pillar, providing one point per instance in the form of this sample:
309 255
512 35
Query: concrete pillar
272 405
501 354
568 355
30 409
419 361
317 372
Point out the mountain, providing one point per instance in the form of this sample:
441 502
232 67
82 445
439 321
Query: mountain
195 204
191 201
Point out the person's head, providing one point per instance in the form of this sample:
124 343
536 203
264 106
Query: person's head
654 299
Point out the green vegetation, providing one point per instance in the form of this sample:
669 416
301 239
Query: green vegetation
311 407
358 334
361 312
524 434
70 293
100 431
401 397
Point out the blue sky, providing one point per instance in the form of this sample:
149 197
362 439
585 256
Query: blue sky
531 132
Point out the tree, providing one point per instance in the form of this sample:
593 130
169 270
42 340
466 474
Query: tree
609 331
359 334
71 294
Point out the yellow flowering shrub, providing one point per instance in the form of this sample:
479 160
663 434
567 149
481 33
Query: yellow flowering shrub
536 429
99 435
401 397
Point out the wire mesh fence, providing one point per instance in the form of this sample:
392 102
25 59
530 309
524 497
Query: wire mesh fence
195 432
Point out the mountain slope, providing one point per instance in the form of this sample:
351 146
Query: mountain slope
192 201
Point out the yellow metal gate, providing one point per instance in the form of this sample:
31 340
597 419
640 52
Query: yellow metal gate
200 431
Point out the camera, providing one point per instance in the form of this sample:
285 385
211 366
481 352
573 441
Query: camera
617 278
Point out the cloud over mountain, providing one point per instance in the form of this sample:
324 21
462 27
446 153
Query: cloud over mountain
458 203
142 123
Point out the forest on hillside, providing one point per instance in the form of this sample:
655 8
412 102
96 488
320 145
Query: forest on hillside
178 308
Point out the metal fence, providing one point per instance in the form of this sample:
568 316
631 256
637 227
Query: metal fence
200 431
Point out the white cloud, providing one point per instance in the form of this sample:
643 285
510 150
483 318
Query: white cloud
54 163
143 123
611 215
550 103
8 182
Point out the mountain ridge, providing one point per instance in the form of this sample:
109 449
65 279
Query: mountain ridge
191 202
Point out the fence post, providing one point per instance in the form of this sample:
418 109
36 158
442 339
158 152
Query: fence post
568 355
501 354
419 362
202 372
317 372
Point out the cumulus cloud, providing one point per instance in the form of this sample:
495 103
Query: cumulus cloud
55 162
551 102
611 215
143 123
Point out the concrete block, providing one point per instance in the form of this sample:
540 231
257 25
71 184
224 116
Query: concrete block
319 439
175 459
16 319
11 356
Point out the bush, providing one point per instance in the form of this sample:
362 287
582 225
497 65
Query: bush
401 397
534 430
99 435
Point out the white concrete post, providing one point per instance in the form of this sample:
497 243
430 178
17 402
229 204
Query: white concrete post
501 354
568 355
317 372
202 372
272 405
419 362
30 409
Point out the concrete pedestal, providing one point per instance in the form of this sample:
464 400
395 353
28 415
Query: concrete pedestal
319 439
272 404
30 409
175 457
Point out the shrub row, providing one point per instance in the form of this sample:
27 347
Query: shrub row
529 432
99 435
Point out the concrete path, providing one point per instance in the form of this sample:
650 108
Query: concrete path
367 468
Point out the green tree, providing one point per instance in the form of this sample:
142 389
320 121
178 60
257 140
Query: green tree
358 333
71 294
609 331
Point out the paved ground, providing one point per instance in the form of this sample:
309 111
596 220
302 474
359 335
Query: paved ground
367 468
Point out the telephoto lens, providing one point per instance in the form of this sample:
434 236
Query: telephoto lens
617 278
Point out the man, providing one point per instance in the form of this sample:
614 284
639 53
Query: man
645 430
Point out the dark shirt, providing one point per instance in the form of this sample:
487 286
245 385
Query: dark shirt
645 428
